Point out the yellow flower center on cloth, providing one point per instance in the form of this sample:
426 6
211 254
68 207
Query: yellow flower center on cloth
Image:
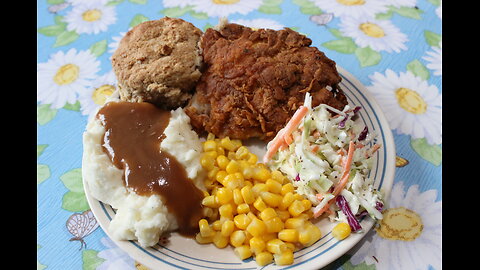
100 94
92 15
400 224
351 2
225 2
372 30
66 74
410 101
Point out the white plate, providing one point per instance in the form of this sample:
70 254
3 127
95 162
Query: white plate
185 253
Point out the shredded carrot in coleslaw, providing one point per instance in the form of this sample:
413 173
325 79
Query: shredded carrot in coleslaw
343 181
284 136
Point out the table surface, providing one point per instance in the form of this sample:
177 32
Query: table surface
393 47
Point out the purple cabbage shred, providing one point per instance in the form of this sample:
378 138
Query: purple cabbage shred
356 109
378 206
343 205
297 178
341 124
363 134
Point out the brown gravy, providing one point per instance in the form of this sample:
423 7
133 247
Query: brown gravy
133 133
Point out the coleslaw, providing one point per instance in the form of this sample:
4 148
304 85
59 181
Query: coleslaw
327 154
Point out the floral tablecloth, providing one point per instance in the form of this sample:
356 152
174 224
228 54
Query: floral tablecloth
394 47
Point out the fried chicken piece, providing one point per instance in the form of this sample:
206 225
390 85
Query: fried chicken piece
255 80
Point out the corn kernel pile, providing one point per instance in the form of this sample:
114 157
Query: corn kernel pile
251 208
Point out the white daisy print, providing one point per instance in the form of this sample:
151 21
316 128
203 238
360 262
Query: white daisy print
90 17
411 105
115 258
434 59
95 96
409 236
352 8
260 23
64 76
223 8
379 35
438 11
112 46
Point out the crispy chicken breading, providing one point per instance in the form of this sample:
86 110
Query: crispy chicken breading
255 80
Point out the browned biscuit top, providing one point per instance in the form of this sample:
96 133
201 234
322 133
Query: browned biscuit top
158 61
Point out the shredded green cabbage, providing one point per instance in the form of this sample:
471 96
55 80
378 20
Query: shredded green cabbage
313 162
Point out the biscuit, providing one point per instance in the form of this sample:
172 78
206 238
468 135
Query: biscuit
159 62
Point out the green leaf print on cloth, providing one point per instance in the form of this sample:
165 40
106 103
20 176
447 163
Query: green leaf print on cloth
90 259
271 7
418 69
98 48
43 171
433 39
431 153
367 57
308 7
39 265
138 19
45 114
72 107
74 200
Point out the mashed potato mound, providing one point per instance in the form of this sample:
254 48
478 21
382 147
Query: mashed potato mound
142 218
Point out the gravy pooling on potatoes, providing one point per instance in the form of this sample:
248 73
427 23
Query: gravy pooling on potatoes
133 133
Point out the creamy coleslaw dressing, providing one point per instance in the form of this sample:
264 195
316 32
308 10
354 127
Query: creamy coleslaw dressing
314 160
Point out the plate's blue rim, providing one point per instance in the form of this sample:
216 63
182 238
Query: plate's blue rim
364 98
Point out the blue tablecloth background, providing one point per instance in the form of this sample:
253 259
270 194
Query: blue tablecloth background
393 47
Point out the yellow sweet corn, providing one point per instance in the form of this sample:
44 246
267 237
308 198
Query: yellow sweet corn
243 208
259 204
227 144
278 176
273 186
271 199
205 230
252 208
243 252
247 194
222 161
284 258
341 231
276 246
232 167
288 187
264 258
267 213
274 225
203 240
210 145
288 235
257 244
296 208
256 227
242 221
237 196
224 195
237 238
219 240
227 228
